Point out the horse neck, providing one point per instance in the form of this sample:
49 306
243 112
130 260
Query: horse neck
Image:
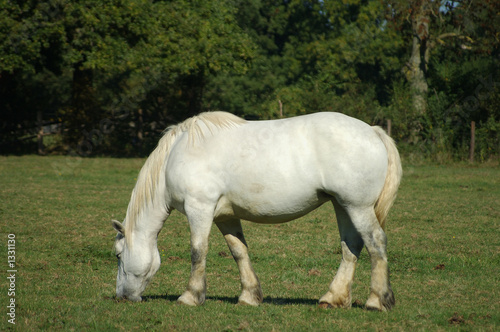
147 223
148 207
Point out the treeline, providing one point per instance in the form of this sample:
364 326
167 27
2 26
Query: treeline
108 76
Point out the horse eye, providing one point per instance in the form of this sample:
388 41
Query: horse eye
118 255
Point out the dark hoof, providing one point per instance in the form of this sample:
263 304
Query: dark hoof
325 305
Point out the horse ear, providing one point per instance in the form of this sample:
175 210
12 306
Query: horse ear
118 227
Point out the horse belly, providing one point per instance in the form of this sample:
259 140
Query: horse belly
268 206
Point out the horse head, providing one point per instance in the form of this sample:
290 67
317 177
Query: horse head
138 261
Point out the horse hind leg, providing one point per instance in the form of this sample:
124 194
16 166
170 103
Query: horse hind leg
381 295
339 292
251 292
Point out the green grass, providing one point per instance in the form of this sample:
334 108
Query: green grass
443 253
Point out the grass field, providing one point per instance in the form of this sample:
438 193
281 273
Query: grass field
443 235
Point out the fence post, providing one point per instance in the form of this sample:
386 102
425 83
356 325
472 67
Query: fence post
389 127
472 141
39 119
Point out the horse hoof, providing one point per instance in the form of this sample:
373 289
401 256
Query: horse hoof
251 298
380 304
188 299
325 305
244 302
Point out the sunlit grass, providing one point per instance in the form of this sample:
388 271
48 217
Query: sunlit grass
443 254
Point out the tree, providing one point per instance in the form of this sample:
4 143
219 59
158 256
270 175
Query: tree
314 56
429 27
140 66
127 61
452 47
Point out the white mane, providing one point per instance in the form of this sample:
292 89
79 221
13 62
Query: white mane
146 187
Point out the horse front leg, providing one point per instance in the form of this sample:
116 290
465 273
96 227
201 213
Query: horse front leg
197 286
251 292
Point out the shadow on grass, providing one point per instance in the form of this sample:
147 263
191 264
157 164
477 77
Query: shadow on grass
234 300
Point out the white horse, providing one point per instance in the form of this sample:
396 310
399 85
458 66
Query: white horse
216 167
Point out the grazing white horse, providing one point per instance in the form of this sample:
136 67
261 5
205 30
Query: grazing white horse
216 167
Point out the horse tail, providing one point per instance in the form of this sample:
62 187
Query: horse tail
392 179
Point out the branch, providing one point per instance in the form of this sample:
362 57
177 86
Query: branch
442 36
447 35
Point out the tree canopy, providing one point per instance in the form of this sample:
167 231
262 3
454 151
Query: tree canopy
114 74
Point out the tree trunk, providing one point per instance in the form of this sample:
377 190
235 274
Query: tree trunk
416 68
84 109
195 87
